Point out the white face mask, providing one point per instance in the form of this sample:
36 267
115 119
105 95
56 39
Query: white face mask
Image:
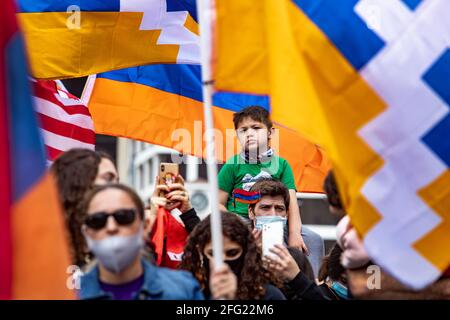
116 253
262 220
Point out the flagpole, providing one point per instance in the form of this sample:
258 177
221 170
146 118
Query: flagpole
205 13
87 90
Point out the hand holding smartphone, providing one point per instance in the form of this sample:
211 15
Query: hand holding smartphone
168 174
272 234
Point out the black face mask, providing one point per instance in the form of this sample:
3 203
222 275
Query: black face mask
235 265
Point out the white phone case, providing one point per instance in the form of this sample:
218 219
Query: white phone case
272 234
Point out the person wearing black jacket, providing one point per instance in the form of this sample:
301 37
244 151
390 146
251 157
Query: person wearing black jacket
294 268
290 264
299 286
190 219
242 255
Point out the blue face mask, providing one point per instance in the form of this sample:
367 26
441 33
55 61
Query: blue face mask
340 290
262 220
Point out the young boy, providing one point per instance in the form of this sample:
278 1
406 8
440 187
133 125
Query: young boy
254 131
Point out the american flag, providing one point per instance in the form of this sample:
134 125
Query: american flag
65 121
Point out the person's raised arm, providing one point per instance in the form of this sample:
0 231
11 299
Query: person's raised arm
223 198
295 224
226 184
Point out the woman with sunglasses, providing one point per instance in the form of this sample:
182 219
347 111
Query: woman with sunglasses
241 255
76 172
113 228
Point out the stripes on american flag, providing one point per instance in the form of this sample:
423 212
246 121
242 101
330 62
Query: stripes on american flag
65 121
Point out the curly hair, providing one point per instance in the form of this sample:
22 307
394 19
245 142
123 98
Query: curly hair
331 266
253 275
75 172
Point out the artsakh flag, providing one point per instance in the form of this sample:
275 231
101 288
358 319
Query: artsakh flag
34 254
369 81
69 38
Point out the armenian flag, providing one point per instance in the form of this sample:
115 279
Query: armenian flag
34 255
163 104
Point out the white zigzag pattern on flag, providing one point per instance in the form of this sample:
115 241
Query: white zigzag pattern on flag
171 25
414 40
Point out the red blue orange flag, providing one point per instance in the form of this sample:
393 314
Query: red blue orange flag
163 104
33 252
244 196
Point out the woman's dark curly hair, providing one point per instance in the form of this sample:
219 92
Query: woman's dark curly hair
331 266
75 172
252 277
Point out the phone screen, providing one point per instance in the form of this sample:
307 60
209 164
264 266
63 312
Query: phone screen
168 172
272 234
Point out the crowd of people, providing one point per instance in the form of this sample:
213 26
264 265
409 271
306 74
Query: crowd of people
110 233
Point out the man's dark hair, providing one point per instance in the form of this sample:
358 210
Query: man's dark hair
332 192
130 192
255 113
271 188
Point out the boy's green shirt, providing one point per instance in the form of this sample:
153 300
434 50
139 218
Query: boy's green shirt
237 174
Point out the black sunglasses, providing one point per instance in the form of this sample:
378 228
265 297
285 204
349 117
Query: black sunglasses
98 220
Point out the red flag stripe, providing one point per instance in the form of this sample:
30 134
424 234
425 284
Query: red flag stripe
67 129
54 111
5 181
52 153
63 143
8 29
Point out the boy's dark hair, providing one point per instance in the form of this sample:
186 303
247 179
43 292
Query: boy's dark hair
255 113
271 188
331 190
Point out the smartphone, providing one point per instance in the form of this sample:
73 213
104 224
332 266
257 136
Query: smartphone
168 173
272 234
